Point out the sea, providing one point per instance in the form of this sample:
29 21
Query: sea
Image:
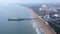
17 27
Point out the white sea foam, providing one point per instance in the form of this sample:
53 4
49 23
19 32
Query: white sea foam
35 27
38 30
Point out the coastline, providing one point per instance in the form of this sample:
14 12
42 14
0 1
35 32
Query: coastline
42 25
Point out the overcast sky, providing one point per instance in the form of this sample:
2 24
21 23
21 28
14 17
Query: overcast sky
29 1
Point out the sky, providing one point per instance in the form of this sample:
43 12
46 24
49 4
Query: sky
29 1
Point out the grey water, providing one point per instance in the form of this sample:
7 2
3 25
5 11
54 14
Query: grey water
15 27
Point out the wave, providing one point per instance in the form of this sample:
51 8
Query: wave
37 29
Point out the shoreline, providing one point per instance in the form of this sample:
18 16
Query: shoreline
41 24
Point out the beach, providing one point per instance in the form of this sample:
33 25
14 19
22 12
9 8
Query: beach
41 24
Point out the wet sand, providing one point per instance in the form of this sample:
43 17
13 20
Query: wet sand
41 24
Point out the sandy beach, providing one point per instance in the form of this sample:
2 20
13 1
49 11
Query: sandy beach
41 24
